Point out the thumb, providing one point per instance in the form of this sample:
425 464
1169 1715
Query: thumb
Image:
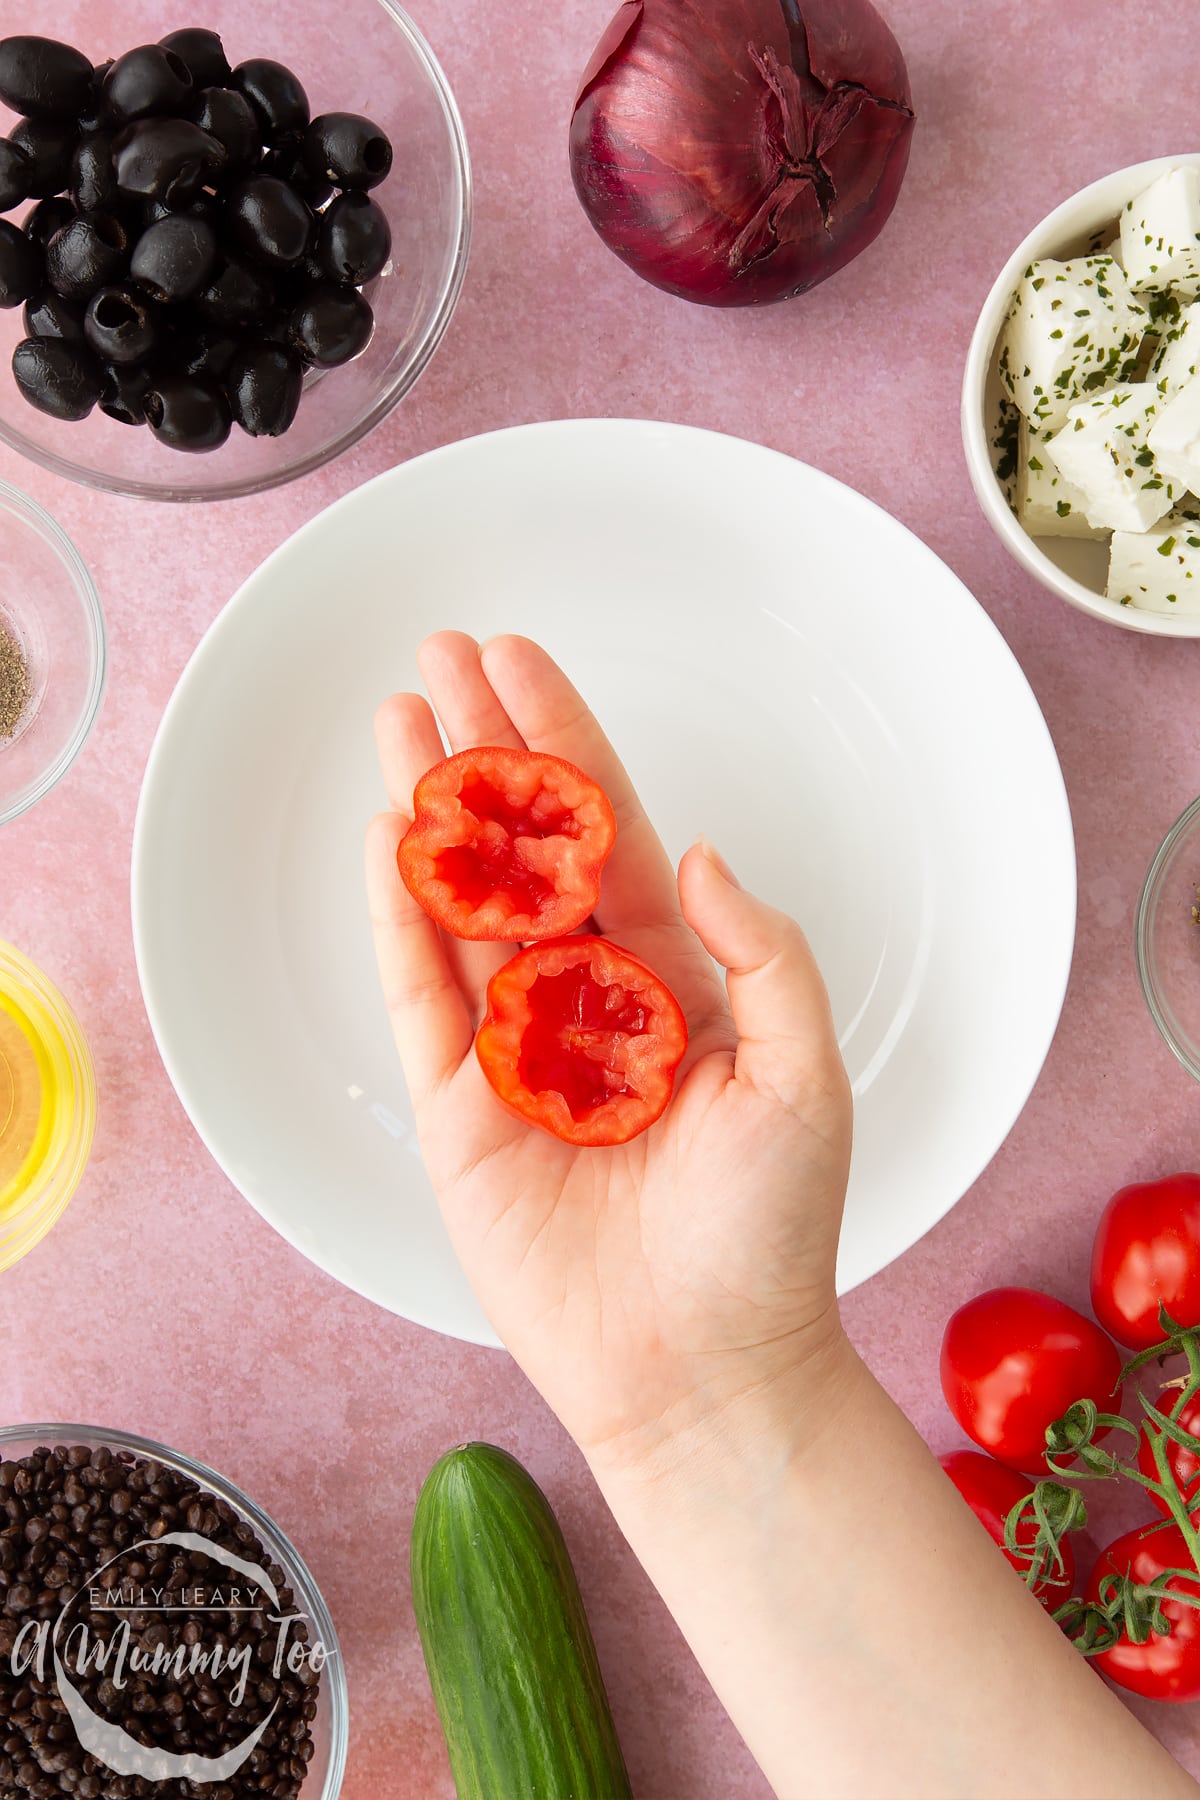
786 1037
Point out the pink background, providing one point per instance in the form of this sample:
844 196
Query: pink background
162 1303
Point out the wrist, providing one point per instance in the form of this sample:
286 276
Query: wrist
734 1433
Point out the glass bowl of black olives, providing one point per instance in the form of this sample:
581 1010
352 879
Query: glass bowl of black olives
224 256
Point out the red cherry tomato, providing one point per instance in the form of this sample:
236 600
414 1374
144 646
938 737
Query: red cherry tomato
991 1491
581 1039
1013 1361
506 844
1163 1668
1183 1464
1147 1250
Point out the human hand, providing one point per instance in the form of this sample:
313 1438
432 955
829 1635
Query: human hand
644 1288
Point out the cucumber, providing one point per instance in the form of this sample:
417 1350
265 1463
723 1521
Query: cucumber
507 1644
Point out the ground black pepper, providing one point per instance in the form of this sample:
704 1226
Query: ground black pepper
14 683
66 1511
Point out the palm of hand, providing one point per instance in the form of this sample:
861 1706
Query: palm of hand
626 1281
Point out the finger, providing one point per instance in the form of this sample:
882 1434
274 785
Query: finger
425 1003
465 700
409 743
787 1045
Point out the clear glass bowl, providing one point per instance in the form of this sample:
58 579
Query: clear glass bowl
49 606
331 1727
369 57
47 1105
1167 939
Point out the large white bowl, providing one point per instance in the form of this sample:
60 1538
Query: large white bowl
1073 568
827 701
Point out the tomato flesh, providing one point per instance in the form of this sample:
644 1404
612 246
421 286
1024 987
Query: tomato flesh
506 845
575 1043
581 1039
1163 1668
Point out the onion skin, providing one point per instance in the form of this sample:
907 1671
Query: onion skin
737 152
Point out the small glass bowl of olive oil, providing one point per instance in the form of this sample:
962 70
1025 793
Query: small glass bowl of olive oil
47 1104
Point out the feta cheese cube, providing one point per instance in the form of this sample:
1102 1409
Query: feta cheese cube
1072 327
1174 437
1103 449
1046 502
1177 358
1160 235
1157 571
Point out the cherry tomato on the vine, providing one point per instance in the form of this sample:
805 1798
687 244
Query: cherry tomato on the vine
991 1491
1163 1668
1013 1361
1147 1252
1184 1464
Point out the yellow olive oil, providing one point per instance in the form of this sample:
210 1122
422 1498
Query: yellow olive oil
31 1090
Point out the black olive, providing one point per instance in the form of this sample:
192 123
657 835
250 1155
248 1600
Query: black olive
119 325
202 54
16 171
229 117
93 116
59 379
274 93
47 217
166 159
204 206
93 183
263 383
43 78
348 150
174 259
330 325
269 221
146 80
238 296
354 239
197 347
49 144
285 159
48 315
123 392
187 413
20 266
87 254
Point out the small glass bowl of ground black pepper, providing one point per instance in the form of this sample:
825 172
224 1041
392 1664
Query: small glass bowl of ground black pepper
160 1638
1167 938
52 652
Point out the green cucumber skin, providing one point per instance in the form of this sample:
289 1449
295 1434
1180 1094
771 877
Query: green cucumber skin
507 1644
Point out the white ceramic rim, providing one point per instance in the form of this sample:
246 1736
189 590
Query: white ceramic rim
1093 206
277 1541
1147 974
56 539
199 492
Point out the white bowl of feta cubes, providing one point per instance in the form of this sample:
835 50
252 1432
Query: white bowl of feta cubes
1081 399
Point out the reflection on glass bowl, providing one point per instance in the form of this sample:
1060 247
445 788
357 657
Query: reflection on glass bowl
1167 939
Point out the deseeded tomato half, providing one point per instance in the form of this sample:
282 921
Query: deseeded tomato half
506 844
581 1039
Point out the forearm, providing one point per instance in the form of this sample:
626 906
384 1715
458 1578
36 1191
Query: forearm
863 1632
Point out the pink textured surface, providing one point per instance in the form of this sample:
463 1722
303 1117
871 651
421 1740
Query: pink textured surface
161 1302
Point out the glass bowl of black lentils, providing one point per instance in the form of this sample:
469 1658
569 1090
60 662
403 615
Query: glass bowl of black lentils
225 255
160 1638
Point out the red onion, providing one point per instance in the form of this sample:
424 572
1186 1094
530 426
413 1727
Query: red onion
739 151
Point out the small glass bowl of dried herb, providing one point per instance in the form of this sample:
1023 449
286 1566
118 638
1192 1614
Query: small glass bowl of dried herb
1167 938
52 652
158 1632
